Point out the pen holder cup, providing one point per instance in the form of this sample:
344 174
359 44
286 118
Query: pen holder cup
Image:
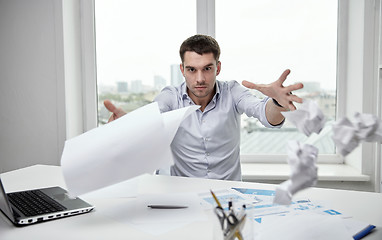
240 228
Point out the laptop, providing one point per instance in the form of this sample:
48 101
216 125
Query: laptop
38 205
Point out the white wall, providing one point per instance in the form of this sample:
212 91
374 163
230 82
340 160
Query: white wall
32 96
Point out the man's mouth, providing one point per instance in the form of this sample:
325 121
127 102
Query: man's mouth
200 87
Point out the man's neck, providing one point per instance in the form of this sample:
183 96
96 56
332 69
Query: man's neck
203 102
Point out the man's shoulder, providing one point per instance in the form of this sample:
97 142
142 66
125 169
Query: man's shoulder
228 85
172 90
169 98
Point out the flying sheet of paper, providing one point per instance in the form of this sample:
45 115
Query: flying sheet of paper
308 118
348 135
136 143
302 161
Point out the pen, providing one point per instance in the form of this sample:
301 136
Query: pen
216 199
166 206
230 205
242 212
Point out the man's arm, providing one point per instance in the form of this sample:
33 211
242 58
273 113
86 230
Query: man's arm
283 96
116 112
165 99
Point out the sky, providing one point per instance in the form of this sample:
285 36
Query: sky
259 39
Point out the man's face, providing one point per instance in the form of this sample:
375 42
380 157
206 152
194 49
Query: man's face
200 72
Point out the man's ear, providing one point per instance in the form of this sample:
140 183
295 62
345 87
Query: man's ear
218 68
182 69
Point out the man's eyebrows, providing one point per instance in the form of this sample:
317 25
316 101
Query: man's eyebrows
208 65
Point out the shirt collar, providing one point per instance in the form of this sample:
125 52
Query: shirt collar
183 88
217 84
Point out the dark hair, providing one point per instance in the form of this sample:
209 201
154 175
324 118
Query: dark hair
200 44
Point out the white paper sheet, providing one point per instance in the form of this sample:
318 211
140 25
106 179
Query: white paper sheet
267 212
224 196
302 161
308 118
136 143
302 226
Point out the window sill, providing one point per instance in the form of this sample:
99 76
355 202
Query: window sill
279 171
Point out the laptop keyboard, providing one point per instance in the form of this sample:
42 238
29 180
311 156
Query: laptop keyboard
34 202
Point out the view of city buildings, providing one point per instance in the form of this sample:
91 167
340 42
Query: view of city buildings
254 137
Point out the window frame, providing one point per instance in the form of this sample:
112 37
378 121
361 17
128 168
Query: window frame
366 158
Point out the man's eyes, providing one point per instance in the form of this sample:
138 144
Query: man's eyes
193 69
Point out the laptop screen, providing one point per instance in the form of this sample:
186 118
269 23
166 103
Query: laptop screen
4 204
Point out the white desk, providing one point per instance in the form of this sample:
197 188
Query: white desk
363 206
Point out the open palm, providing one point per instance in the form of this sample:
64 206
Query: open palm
276 90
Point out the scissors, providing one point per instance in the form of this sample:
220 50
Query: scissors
230 224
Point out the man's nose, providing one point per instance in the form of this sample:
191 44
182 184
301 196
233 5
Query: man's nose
200 78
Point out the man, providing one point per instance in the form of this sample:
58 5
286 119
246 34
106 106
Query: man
207 143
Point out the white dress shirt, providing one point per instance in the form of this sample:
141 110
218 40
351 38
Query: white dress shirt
207 144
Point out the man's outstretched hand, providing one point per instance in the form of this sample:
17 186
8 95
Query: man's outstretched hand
116 112
276 90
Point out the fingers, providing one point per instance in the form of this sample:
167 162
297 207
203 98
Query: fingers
291 106
277 91
112 118
283 76
249 85
294 98
116 112
291 99
109 106
294 87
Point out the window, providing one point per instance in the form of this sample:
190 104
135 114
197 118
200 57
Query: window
137 45
259 40
358 74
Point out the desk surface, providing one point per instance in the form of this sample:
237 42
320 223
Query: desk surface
363 206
